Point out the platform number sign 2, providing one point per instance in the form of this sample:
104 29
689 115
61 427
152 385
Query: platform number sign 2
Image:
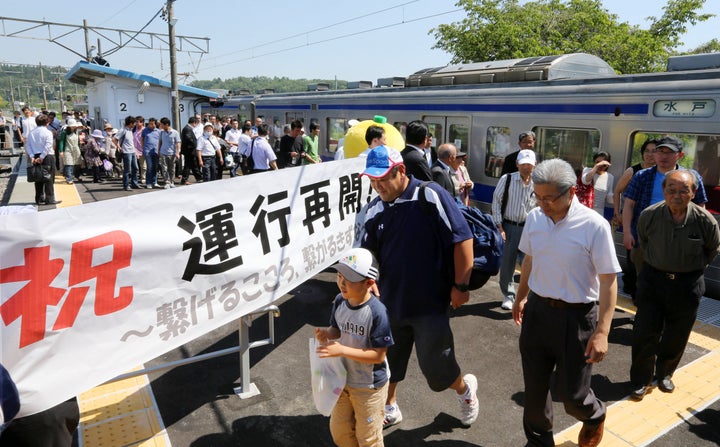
123 107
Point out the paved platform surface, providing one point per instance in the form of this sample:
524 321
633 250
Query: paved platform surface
195 405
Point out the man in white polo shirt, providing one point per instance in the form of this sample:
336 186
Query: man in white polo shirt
569 266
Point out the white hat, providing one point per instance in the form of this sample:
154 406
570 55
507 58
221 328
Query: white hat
356 265
97 133
72 123
526 156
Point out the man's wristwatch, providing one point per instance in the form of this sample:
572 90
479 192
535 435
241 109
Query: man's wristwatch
461 287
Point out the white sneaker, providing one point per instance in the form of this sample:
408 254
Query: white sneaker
167 186
469 406
172 185
148 187
156 185
392 415
507 303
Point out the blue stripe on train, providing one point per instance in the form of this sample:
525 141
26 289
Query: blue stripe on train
625 109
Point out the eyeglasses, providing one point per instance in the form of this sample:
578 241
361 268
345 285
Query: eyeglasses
673 192
548 200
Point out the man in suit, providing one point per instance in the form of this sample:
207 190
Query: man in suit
526 140
188 145
443 170
415 156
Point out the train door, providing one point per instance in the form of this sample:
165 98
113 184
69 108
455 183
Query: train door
449 129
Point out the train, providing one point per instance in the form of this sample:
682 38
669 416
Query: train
575 104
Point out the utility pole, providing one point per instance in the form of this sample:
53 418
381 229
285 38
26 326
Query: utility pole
88 51
27 92
174 95
12 95
42 83
58 77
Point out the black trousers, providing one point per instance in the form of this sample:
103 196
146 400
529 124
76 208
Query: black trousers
667 306
190 165
45 191
53 427
554 339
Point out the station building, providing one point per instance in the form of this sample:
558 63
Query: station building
113 94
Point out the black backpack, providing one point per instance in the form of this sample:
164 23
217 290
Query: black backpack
247 164
488 243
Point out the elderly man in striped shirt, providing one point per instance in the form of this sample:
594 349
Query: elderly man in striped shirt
512 201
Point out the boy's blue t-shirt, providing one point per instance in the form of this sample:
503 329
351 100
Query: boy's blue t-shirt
364 326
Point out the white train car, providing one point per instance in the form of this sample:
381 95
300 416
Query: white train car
575 104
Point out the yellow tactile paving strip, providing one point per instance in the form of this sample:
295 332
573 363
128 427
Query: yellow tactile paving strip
67 193
122 413
631 423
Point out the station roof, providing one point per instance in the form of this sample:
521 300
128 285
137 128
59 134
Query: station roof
84 72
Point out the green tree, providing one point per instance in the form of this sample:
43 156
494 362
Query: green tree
712 46
506 29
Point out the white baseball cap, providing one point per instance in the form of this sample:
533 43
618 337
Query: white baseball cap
526 156
356 265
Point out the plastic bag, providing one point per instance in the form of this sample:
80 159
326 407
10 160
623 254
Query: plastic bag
328 377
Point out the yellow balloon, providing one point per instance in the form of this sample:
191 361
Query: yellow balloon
355 138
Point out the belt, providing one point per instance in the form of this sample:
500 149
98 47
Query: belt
518 224
560 304
672 276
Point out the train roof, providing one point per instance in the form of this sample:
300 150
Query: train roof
528 76
544 68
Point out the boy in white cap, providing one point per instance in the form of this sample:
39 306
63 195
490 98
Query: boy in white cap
359 332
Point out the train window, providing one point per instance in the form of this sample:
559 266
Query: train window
401 126
498 147
292 116
575 146
436 130
335 131
458 134
701 152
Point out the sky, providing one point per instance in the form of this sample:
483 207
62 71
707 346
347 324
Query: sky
294 39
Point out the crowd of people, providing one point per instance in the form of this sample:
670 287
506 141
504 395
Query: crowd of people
389 306
567 292
149 153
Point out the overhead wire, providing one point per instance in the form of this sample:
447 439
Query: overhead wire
343 36
132 38
125 7
322 28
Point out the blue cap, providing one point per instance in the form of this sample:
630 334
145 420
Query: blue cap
380 160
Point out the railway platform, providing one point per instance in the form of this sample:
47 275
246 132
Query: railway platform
195 405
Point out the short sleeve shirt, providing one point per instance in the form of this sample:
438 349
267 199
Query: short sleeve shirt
151 140
168 142
568 256
414 246
364 326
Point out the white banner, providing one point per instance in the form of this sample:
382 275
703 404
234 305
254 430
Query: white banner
88 292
